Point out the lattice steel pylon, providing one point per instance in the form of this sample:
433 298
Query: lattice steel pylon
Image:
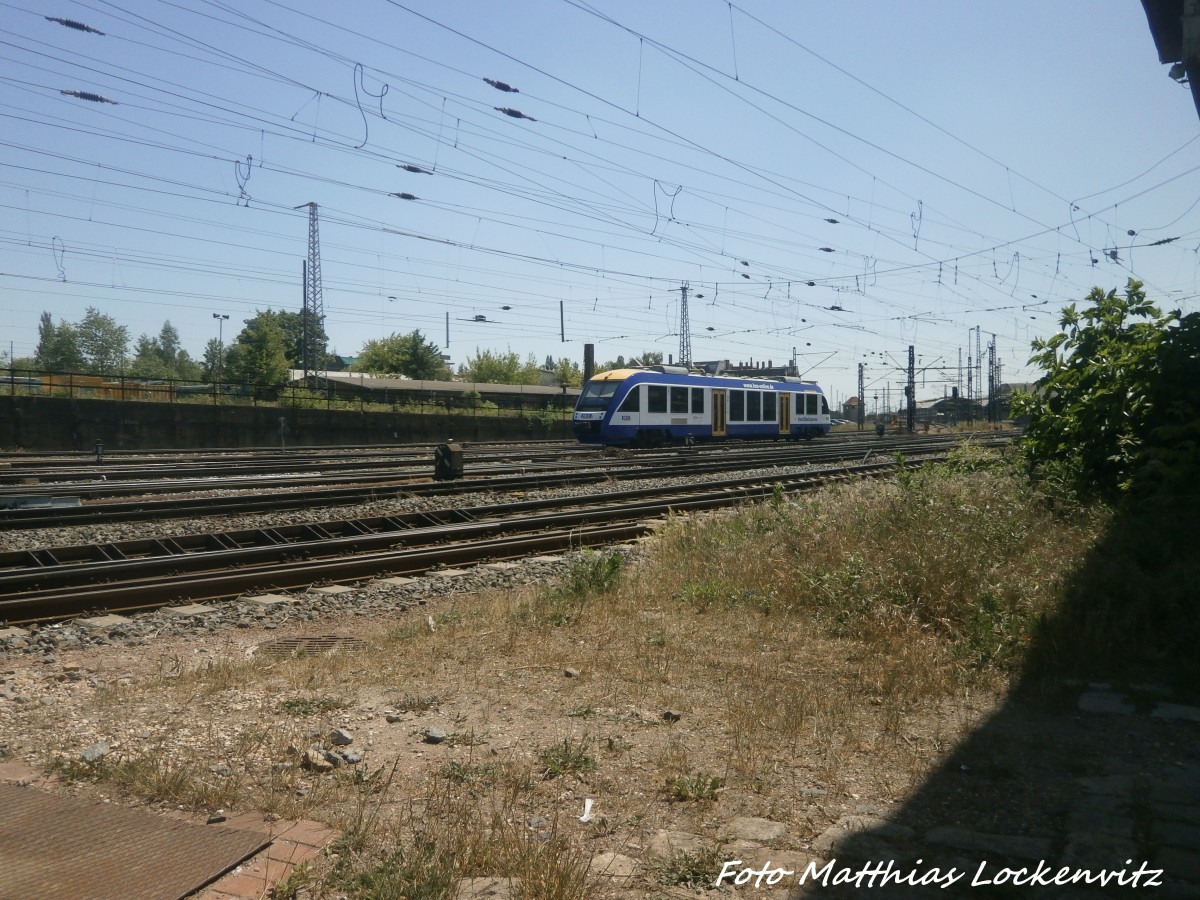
313 311
685 329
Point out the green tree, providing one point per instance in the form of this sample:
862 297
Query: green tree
162 356
1119 397
566 371
259 355
1171 449
292 325
646 358
212 367
403 354
57 347
488 367
103 343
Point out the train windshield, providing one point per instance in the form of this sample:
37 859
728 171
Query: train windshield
597 395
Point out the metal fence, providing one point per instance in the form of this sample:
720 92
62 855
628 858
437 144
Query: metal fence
329 395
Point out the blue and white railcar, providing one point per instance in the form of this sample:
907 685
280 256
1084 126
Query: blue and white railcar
655 405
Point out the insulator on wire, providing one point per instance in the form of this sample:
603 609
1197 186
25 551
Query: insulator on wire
501 86
515 113
88 95
409 167
71 23
405 196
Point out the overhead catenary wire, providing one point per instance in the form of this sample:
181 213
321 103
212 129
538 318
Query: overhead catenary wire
577 221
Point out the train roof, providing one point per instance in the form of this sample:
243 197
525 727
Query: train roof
681 375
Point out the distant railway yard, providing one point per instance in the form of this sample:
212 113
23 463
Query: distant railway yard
134 532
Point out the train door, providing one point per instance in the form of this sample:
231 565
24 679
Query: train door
785 412
718 413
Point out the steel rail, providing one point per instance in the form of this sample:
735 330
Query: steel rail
23 570
18 480
664 465
227 573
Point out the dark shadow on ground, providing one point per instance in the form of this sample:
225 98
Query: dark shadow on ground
1093 765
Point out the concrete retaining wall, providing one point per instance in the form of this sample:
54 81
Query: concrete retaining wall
61 424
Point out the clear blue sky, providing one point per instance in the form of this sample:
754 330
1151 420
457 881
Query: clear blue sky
984 164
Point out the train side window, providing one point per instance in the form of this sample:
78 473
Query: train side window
810 404
737 406
679 400
769 407
824 406
633 400
656 398
697 400
754 406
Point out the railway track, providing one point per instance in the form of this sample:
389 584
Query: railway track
153 475
125 576
304 492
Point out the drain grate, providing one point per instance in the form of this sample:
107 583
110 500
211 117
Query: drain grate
321 643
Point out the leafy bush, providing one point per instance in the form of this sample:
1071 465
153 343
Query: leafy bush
1120 400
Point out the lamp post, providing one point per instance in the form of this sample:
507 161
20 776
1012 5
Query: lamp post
220 317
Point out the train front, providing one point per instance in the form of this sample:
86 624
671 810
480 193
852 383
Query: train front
595 405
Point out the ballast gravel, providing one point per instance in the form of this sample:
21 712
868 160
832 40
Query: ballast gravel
363 599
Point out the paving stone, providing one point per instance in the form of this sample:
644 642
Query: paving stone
1172 891
1176 812
12 632
1179 864
1177 834
450 573
1101 814
1176 711
1108 785
1004 846
865 837
760 831
665 844
1093 850
1175 791
501 566
795 861
1105 702
1104 823
613 867
545 559
331 589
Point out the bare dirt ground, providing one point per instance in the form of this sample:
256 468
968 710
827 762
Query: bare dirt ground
706 715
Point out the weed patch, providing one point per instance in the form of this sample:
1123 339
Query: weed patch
696 869
311 706
699 786
567 758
